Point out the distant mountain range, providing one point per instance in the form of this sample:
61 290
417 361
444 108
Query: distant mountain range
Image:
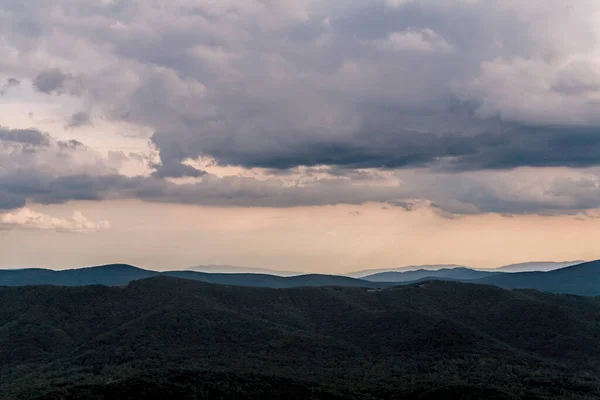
521 267
580 279
457 273
122 274
232 269
433 267
168 338
537 266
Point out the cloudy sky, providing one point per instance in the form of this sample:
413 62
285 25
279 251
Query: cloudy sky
322 136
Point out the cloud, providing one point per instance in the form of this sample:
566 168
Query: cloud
51 81
10 83
78 119
25 218
34 171
415 40
24 136
447 91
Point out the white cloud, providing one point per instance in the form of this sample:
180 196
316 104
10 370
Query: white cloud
415 40
26 218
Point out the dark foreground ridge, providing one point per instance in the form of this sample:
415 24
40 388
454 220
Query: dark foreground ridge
164 338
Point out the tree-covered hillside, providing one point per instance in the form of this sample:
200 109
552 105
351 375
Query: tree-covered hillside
173 338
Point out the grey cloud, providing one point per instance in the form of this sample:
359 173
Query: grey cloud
176 170
171 164
78 119
24 136
309 84
51 81
10 83
451 193
381 145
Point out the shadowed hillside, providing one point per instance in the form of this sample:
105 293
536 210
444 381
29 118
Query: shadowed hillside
581 279
445 273
537 266
122 274
171 338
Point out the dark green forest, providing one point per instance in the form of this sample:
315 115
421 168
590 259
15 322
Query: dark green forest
172 338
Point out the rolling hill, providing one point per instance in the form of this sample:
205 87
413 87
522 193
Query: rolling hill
111 275
537 266
458 273
231 269
122 274
581 279
171 338
274 282
433 267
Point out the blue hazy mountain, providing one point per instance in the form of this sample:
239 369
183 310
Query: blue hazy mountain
581 279
433 267
537 266
232 269
110 275
272 281
122 274
520 267
458 273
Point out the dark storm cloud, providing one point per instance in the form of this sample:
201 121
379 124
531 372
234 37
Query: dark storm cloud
55 174
24 136
503 146
452 89
51 81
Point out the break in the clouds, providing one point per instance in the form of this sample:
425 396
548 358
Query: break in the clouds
26 218
453 104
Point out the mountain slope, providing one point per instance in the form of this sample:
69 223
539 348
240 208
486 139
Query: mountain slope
112 275
458 273
170 338
121 274
271 281
581 279
536 266
231 269
433 267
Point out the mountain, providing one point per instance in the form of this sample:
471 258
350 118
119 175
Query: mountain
121 274
231 269
459 273
274 282
172 338
112 275
581 279
435 267
536 266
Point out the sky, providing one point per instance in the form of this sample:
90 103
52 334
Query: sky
319 136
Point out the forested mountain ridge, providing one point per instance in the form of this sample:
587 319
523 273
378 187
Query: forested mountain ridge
164 336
